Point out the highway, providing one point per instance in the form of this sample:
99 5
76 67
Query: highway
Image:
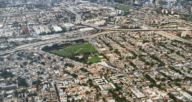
152 29
157 31
172 37
109 30
31 45
113 29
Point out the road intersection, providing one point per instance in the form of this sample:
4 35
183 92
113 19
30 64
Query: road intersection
108 31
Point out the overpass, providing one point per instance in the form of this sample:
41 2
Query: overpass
152 29
110 30
31 45
157 31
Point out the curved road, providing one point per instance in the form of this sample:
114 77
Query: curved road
31 45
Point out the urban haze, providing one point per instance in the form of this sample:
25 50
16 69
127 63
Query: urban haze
95 50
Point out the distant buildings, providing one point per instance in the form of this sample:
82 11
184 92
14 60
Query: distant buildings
3 39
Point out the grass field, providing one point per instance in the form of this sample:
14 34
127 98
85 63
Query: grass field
95 59
61 34
122 7
75 50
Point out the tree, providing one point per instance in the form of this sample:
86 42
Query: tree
47 48
69 64
151 85
83 69
45 99
132 64
90 82
6 74
87 92
97 96
55 46
76 94
172 97
74 75
150 79
73 100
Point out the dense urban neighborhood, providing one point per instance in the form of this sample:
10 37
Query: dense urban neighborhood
95 51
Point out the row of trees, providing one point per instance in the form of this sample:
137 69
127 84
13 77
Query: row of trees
5 74
116 97
144 60
110 47
153 82
156 58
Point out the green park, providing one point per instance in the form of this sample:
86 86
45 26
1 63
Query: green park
95 58
121 7
75 49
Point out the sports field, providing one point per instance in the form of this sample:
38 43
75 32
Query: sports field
95 59
75 50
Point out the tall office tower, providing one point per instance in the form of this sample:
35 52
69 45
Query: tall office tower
151 1
191 9
24 1
157 2
171 3
112 1
180 6
77 1
12 1
146 4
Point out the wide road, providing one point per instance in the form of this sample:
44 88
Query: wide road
158 31
31 45
113 29
151 29
172 37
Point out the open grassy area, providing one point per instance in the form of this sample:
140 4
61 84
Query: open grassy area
186 18
75 50
121 7
95 59
62 34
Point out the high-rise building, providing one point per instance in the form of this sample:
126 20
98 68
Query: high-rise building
171 3
191 9
24 1
76 1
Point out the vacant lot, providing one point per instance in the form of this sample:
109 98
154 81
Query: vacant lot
75 50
